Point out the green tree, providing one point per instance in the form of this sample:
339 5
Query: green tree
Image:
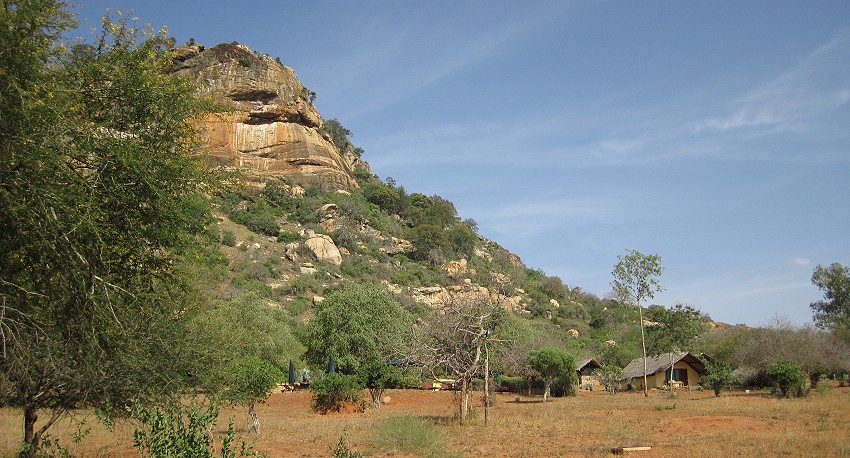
636 279
718 376
554 365
673 329
100 194
252 380
356 323
610 376
377 375
834 311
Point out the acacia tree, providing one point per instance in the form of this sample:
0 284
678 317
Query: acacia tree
451 340
100 194
635 280
554 365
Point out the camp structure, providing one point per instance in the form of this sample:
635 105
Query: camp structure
585 373
687 370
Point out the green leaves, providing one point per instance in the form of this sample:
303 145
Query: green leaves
357 323
253 379
636 277
834 310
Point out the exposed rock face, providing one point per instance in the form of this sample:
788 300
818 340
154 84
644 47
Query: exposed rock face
324 248
274 128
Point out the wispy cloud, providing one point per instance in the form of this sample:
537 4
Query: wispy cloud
820 82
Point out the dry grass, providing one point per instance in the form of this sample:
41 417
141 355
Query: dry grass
589 425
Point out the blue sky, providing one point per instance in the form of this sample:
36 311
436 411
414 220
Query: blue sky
716 134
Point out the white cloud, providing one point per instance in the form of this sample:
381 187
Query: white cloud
802 262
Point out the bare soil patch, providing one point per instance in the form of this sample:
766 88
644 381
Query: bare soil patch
694 424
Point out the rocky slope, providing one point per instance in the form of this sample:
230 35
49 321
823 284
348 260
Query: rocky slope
269 127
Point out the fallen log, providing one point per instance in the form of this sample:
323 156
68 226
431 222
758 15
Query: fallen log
622 450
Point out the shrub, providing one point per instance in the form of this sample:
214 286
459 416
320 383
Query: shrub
610 376
515 384
288 237
788 379
177 430
335 391
409 435
343 451
260 218
228 238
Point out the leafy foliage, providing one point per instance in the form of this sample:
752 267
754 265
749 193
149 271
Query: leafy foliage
357 323
718 376
101 195
610 376
334 391
177 430
788 379
377 376
673 329
555 366
834 310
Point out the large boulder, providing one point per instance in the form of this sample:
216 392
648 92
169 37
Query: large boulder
324 248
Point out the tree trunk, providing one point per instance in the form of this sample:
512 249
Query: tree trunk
31 438
643 342
253 420
464 387
376 396
546 390
486 384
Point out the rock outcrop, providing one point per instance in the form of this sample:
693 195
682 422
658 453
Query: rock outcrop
271 128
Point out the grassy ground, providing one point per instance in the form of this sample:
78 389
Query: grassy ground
423 423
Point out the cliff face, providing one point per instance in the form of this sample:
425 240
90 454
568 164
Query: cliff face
273 128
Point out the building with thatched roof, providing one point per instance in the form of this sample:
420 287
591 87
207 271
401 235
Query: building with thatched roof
585 372
687 370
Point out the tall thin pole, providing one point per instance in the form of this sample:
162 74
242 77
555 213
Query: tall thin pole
486 383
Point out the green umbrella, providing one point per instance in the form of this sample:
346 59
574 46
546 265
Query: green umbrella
331 365
291 372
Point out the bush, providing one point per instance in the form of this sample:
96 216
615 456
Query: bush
260 218
409 435
177 430
788 379
228 238
288 237
515 384
334 391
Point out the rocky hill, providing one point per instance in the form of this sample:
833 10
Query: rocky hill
271 128
312 216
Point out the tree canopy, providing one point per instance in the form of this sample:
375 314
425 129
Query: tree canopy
101 195
673 329
833 312
553 365
356 323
